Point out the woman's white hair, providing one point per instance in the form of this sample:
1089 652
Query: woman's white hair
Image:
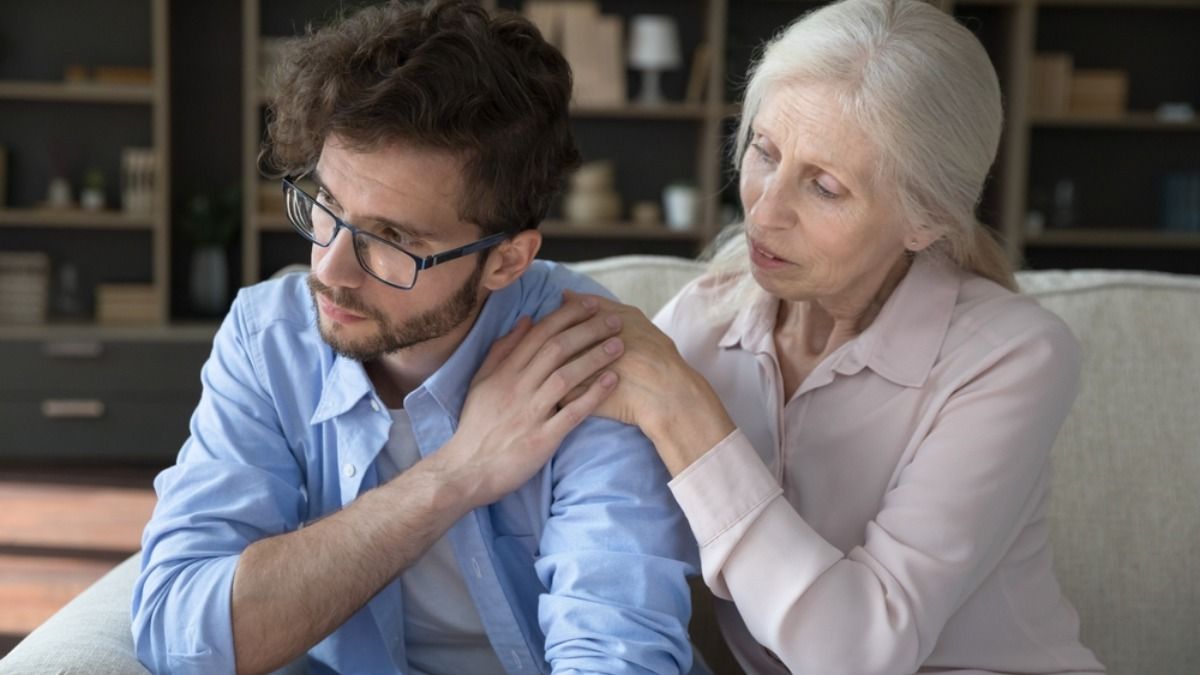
922 88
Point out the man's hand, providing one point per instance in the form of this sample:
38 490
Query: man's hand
512 422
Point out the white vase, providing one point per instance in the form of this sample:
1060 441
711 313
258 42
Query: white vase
682 206
209 283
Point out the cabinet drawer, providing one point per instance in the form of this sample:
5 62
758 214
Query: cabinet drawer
74 367
85 428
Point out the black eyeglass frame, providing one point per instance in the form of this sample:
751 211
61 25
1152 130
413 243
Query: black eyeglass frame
422 262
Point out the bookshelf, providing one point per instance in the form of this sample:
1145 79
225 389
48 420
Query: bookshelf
652 145
68 92
75 219
1115 164
52 126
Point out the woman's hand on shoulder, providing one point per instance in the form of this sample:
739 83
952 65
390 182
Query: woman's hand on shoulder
659 391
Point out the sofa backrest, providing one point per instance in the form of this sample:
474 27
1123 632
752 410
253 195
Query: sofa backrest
1125 511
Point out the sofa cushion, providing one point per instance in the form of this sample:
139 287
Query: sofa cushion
1125 509
90 635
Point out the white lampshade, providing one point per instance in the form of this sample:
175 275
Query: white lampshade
654 42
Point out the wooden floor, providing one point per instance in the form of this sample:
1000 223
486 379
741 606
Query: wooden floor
61 528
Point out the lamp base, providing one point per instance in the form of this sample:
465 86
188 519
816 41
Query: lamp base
650 94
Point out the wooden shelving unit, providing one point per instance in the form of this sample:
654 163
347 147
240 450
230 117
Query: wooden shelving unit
1132 121
154 98
1012 30
68 92
1141 238
1116 161
75 219
561 229
699 122
633 111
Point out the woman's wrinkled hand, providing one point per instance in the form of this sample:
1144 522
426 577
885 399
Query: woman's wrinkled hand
658 390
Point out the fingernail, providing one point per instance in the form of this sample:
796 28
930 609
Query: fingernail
612 346
613 321
608 379
590 303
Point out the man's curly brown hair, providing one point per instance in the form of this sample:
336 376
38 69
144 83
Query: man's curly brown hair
445 76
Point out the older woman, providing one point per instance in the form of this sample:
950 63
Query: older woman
855 403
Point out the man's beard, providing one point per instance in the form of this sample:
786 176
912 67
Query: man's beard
394 336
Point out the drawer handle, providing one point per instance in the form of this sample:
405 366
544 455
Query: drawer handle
73 408
74 349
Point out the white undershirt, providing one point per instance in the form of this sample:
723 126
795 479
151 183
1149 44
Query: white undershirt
443 633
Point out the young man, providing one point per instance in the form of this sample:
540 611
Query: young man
379 478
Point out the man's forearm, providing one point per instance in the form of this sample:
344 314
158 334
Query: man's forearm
292 590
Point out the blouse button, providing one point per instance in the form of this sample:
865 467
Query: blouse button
348 470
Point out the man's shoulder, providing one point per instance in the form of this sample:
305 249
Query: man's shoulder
541 286
284 300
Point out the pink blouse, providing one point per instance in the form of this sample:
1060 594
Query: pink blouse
891 516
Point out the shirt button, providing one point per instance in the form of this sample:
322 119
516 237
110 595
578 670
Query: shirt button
348 470
374 405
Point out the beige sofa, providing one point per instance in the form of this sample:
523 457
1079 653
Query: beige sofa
1126 508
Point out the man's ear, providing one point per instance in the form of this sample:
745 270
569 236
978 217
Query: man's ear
509 260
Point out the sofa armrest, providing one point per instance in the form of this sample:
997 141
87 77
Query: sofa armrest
92 634
89 635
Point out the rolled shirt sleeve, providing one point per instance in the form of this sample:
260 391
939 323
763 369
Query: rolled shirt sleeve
614 557
235 482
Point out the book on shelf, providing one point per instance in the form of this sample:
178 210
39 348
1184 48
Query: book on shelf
698 77
1050 83
24 287
592 44
3 176
127 304
1099 92
545 15
1181 202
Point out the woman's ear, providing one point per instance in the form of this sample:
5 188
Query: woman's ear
509 260
919 239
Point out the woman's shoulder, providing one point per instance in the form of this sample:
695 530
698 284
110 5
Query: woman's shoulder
988 316
701 311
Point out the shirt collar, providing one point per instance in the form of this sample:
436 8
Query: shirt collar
347 382
345 385
449 384
902 343
752 325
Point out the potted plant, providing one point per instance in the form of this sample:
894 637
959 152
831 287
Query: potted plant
211 224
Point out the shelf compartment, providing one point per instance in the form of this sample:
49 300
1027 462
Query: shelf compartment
75 218
277 222
76 92
563 230
1082 238
680 111
1133 121
273 222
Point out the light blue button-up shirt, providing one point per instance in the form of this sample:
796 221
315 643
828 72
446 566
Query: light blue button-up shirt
582 569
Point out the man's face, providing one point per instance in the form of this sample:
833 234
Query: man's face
406 195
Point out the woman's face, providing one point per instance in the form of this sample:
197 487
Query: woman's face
819 225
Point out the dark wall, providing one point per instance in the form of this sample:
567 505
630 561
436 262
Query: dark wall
206 127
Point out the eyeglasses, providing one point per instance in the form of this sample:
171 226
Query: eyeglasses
378 257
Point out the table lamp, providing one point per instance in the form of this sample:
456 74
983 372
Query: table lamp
653 48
